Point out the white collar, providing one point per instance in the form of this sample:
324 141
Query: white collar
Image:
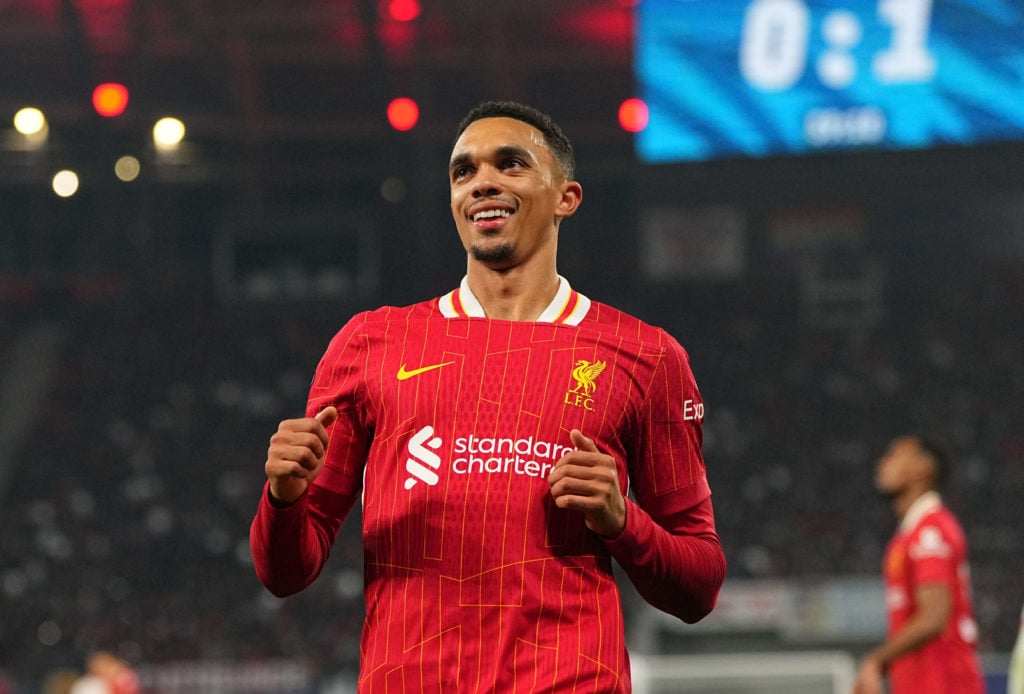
569 307
922 506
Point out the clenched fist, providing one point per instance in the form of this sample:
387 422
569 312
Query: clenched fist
296 454
587 480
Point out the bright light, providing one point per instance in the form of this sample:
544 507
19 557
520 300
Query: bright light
403 113
29 121
110 99
65 183
127 168
633 115
168 133
403 10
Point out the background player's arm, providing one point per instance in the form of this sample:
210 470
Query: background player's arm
933 604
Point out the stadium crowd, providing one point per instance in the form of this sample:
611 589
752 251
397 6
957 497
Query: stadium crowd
126 509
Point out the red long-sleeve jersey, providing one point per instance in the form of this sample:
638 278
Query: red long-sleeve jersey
449 425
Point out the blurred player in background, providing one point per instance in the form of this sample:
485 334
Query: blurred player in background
107 674
491 434
932 637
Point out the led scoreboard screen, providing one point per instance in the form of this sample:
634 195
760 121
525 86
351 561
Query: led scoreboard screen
727 78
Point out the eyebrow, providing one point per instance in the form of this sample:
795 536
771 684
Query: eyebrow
458 160
503 151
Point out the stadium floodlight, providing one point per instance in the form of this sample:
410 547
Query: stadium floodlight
65 183
127 168
110 99
633 115
403 113
29 121
168 133
403 10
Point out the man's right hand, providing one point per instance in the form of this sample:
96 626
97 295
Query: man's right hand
296 455
870 677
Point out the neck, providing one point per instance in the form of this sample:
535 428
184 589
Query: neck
902 503
520 293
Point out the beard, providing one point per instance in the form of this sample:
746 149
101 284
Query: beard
493 254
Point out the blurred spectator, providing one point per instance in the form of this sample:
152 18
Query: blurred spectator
107 674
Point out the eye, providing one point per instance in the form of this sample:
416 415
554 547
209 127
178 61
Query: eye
513 162
460 172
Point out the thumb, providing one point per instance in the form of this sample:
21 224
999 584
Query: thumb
582 442
327 416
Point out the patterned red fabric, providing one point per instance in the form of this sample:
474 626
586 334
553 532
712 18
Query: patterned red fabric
448 429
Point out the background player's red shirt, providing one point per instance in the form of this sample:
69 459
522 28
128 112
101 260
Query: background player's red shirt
449 425
930 548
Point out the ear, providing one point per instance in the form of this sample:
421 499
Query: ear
571 197
924 468
932 472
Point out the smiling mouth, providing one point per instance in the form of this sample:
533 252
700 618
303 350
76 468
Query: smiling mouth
491 214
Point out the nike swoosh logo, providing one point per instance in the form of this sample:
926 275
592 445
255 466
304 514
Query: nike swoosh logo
403 374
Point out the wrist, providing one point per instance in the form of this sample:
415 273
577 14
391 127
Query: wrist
875 660
279 499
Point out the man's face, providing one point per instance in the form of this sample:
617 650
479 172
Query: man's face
899 465
507 191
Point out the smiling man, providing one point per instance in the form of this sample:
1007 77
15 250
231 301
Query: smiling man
493 435
509 192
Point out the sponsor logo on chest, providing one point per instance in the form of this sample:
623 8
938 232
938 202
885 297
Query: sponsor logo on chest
474 455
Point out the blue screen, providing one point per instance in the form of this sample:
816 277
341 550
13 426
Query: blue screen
727 78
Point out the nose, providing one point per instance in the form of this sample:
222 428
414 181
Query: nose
485 185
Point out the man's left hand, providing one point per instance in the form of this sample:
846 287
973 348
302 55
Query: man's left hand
588 481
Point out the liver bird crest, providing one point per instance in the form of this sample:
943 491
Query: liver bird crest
585 373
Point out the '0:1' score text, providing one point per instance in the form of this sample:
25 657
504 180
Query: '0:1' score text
774 46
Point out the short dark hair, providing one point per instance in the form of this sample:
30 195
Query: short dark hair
556 140
937 452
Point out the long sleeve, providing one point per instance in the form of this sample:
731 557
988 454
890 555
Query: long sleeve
291 544
669 547
678 568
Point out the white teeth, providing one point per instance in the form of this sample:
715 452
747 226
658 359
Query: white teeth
488 214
